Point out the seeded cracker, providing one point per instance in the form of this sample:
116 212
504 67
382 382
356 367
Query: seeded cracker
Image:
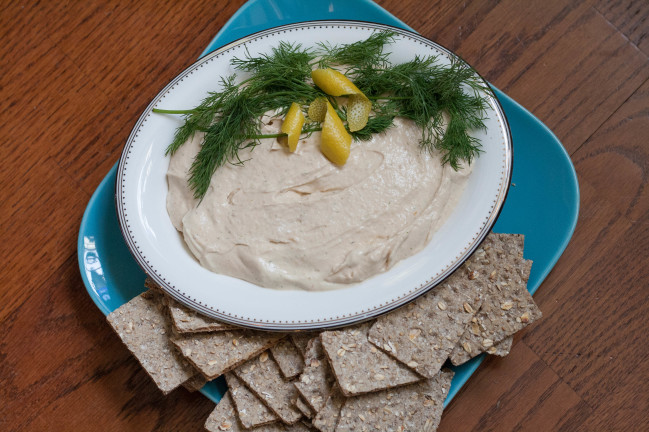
317 378
327 419
188 321
301 340
288 358
184 319
503 347
263 377
423 333
224 418
508 306
195 383
414 408
216 353
358 365
143 326
303 407
250 409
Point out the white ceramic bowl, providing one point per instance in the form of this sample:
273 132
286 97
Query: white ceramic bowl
141 190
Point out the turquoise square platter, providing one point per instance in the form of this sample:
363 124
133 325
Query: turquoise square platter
542 203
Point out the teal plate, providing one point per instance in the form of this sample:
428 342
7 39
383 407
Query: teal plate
542 204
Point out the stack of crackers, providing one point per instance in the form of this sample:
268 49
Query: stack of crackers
385 374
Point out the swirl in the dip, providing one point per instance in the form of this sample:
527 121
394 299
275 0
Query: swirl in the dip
296 221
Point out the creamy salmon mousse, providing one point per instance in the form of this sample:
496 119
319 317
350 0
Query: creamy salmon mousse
296 221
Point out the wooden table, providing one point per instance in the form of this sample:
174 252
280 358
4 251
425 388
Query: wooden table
76 75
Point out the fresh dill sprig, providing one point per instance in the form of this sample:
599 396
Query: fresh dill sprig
231 117
446 101
426 91
361 54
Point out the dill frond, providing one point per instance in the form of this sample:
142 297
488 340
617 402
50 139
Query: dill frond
366 53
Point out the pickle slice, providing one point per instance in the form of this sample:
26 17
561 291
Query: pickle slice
335 83
336 141
292 126
318 109
358 111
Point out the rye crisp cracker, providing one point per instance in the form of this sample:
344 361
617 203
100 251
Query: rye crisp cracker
507 308
503 347
416 407
217 353
315 382
297 427
186 320
359 366
327 419
288 358
423 333
263 377
195 383
144 327
250 409
224 418
301 340
303 407
183 318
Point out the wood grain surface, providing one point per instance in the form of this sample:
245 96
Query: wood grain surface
74 77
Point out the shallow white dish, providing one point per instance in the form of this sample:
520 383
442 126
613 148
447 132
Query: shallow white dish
141 189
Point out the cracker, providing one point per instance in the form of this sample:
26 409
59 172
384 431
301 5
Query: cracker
317 378
217 353
417 407
359 366
263 377
250 409
150 284
183 318
303 407
186 320
195 383
508 306
327 419
288 358
144 327
301 340
423 333
503 347
297 427
224 418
